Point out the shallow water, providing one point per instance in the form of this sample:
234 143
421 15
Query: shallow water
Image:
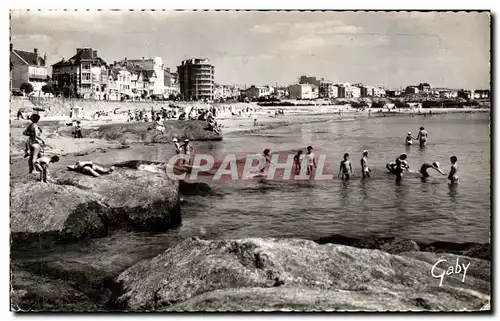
425 211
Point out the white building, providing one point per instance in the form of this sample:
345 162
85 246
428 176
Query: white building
303 91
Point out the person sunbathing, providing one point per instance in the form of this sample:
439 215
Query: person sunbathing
89 168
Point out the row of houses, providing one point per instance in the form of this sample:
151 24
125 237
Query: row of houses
88 75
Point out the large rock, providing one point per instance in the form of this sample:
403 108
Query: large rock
142 132
276 274
395 245
78 206
31 292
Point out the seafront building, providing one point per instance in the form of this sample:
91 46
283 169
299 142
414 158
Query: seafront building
303 91
196 79
327 90
152 71
27 67
170 83
86 71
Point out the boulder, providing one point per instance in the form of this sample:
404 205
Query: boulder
194 188
142 132
31 292
78 206
291 274
395 245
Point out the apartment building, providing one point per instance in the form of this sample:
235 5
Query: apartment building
86 71
152 70
328 90
196 79
303 91
170 83
28 67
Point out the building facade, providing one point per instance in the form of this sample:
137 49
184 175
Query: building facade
152 70
310 80
28 67
424 88
411 90
255 92
303 91
328 90
170 83
86 71
196 79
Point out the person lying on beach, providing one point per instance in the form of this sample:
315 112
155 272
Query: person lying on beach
364 165
422 136
42 165
453 175
426 166
345 167
89 168
297 161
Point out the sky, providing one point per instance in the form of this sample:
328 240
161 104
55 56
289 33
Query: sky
390 49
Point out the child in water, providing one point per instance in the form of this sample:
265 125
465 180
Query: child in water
311 160
409 139
345 168
453 176
364 165
426 166
297 161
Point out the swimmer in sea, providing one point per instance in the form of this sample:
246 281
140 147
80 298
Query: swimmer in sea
453 175
426 166
409 139
267 157
345 168
297 161
422 136
310 160
364 165
399 166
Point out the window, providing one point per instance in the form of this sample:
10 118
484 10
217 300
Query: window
86 66
86 76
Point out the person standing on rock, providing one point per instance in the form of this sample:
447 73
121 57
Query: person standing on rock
35 142
187 148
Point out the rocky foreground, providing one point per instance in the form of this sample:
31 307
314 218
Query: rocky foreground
78 206
300 275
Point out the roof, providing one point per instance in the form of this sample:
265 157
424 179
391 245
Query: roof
79 57
29 57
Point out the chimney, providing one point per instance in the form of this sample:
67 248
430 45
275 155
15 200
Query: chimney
45 59
125 58
142 58
35 51
94 55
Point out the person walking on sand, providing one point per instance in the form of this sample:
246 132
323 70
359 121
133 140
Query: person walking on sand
364 165
42 165
422 136
345 168
426 166
89 168
35 142
453 175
